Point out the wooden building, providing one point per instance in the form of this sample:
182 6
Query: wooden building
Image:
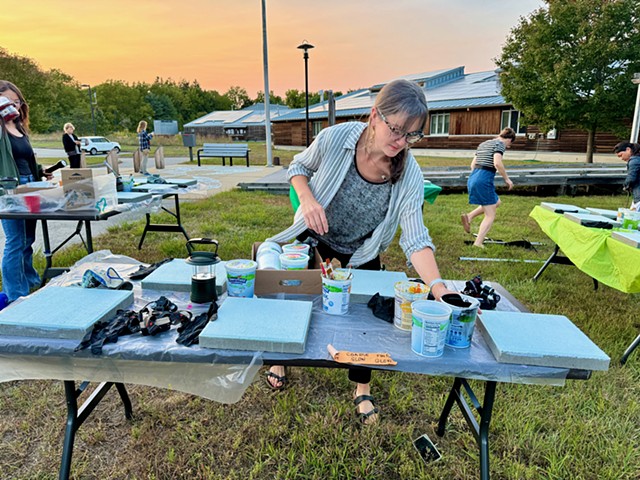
241 125
464 110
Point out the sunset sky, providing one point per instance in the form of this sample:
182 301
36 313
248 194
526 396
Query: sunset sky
219 42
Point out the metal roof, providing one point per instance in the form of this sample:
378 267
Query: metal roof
446 89
249 116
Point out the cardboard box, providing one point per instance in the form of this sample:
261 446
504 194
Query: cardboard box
35 187
288 281
78 179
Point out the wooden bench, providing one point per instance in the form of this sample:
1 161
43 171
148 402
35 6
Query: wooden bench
224 150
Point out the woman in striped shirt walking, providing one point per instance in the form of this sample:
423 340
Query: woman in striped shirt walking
356 183
482 191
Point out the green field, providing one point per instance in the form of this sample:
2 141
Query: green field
584 430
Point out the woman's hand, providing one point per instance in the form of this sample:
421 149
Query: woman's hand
439 290
48 176
509 183
314 216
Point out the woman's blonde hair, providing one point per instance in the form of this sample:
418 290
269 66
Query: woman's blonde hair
405 98
68 125
142 126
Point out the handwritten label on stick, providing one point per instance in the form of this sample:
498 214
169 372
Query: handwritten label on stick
360 358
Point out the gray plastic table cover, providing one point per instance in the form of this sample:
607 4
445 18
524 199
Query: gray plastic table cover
223 375
155 361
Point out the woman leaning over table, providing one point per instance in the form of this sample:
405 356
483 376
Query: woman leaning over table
17 160
356 183
630 153
482 191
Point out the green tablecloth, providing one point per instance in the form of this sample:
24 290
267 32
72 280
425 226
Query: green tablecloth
431 192
593 251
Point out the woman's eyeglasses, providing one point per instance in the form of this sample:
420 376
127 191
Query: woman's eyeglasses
411 137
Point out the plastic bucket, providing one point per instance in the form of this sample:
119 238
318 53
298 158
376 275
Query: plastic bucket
241 277
463 319
429 330
406 294
269 246
294 261
268 260
630 219
296 248
336 292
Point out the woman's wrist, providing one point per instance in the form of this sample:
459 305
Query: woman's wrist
435 282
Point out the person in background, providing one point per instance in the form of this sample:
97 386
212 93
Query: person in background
630 153
17 160
71 145
356 183
144 142
482 190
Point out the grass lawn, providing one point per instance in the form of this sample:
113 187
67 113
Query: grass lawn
257 155
584 430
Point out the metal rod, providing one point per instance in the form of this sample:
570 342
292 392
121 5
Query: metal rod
636 115
306 95
514 260
267 93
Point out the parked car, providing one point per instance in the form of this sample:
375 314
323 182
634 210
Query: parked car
94 145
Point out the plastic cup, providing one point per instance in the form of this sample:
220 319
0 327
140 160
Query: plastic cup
241 277
406 294
336 292
463 319
296 248
630 219
294 261
268 260
429 330
33 203
269 246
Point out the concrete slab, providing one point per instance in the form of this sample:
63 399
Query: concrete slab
542 340
62 312
630 238
591 220
366 283
612 214
175 276
259 324
562 208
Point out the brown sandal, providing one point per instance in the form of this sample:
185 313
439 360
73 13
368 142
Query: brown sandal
466 224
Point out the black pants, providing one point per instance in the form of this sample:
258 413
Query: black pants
74 160
356 374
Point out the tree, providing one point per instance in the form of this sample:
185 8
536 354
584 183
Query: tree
239 97
570 63
273 98
295 98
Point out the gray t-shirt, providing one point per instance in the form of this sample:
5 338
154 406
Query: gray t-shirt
355 212
485 151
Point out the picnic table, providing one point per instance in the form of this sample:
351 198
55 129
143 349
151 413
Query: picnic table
594 252
159 361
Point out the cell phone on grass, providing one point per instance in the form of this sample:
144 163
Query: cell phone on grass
426 448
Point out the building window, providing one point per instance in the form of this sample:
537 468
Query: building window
511 118
439 124
317 126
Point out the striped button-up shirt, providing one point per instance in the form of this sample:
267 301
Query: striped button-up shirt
326 162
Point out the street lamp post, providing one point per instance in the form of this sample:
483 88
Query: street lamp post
306 46
93 118
636 113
